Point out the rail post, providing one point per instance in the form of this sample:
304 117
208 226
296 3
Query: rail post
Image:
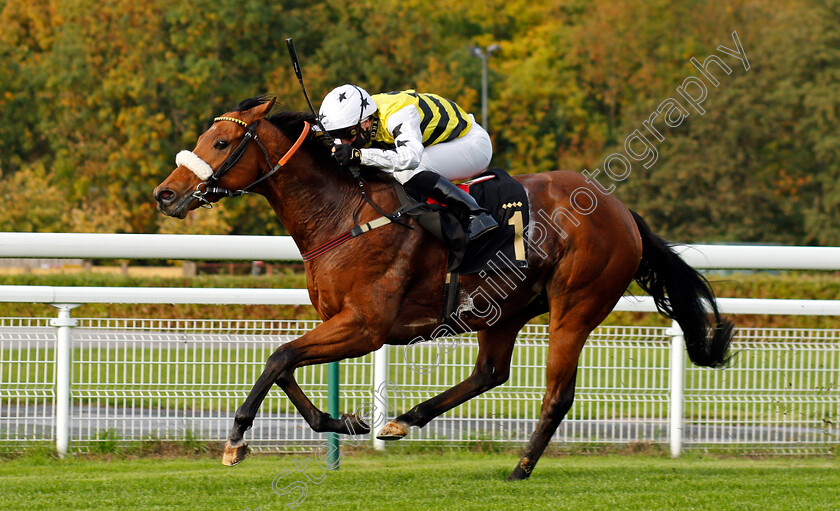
63 373
380 406
677 387
333 458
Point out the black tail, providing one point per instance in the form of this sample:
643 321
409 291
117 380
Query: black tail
682 294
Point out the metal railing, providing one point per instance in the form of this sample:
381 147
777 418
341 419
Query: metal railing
136 379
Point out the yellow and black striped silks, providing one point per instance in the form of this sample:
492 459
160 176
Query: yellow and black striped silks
441 120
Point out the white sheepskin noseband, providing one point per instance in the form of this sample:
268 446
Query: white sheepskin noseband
199 167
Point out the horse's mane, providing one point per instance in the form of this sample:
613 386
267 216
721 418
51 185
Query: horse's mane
317 143
291 124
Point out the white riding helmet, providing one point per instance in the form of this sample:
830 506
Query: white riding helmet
346 106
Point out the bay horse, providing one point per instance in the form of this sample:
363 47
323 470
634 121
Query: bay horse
577 273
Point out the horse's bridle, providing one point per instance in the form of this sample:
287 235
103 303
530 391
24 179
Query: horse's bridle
211 184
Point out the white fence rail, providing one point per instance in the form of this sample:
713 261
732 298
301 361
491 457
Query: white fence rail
133 379
147 246
175 246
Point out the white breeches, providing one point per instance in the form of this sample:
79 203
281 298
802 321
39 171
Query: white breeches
461 158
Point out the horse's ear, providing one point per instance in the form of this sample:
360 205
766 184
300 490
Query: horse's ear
263 109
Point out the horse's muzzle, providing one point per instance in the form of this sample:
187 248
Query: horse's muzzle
171 204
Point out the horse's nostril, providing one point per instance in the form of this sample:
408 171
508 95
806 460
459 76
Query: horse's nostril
165 196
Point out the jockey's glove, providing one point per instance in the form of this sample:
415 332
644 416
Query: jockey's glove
347 155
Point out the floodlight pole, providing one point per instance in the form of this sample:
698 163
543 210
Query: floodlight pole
484 55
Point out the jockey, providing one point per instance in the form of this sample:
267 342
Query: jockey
423 140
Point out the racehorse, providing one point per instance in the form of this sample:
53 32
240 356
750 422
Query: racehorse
577 272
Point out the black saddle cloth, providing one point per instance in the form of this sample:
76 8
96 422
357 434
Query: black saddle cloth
507 203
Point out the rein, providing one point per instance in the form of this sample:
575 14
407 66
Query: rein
211 184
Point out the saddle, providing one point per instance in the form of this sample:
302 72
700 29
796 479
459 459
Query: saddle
496 191
500 249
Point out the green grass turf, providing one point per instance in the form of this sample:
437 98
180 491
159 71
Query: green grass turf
433 480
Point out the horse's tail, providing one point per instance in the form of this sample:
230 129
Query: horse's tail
682 294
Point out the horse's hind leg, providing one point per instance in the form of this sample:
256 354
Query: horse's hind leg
567 335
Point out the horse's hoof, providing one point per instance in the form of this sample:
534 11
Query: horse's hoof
523 470
392 431
234 455
518 475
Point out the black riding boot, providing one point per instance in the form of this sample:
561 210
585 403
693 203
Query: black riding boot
446 192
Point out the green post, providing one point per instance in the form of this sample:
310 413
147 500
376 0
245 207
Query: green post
332 405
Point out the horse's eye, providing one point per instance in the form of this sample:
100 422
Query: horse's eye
220 144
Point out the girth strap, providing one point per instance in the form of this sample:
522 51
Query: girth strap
357 230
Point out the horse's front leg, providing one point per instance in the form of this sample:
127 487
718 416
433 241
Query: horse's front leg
492 367
340 337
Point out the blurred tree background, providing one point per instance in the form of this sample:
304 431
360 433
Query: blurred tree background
96 98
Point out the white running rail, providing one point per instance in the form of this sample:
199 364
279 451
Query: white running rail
142 246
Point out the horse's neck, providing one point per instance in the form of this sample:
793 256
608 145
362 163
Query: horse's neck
313 203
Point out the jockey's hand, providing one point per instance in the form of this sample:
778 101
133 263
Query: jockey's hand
347 155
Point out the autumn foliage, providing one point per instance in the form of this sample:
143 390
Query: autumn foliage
96 98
